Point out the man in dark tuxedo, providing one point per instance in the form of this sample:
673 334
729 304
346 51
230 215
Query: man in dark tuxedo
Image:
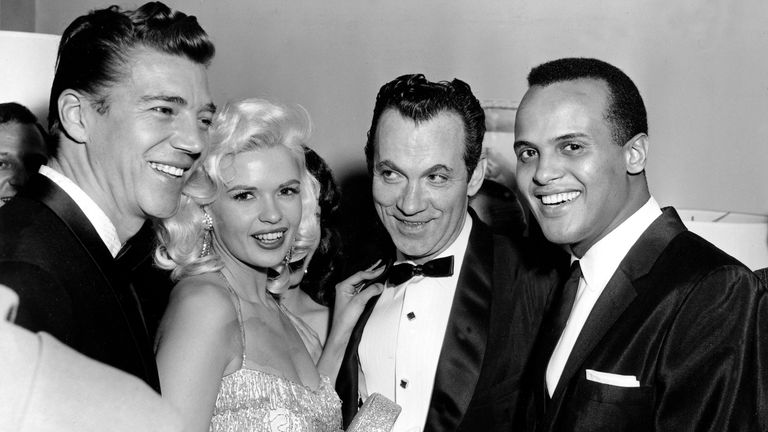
656 329
448 337
129 109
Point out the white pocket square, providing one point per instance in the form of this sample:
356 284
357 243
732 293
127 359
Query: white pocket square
612 379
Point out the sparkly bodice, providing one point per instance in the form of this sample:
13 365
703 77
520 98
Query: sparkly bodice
256 401
251 400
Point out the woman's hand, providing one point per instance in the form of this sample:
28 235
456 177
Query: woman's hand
352 294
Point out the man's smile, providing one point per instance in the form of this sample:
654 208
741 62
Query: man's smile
168 169
558 198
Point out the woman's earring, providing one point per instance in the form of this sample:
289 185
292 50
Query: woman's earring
207 235
281 281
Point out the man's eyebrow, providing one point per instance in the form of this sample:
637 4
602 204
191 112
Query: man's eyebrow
178 100
522 143
571 136
387 164
164 98
439 167
564 137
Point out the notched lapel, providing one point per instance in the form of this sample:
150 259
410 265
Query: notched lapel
461 356
621 291
42 189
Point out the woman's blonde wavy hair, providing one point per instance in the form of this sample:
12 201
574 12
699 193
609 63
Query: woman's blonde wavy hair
239 127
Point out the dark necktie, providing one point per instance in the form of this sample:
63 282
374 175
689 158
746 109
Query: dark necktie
440 267
564 304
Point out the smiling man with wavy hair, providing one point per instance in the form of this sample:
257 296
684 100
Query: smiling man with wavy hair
129 116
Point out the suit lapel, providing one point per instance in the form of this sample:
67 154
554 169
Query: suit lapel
44 190
619 293
617 296
461 356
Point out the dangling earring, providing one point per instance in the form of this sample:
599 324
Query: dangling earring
288 257
208 227
280 282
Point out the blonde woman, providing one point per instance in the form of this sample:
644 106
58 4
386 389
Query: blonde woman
229 357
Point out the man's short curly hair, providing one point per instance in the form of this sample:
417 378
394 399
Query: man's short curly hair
625 109
418 99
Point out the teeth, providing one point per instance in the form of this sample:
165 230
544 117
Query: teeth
170 170
268 237
413 223
559 198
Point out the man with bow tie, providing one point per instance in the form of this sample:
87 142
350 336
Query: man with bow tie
448 337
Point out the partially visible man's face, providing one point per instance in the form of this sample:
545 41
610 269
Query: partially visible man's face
156 126
420 186
570 170
21 149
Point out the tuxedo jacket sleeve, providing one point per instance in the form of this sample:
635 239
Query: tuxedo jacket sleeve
685 319
497 309
67 282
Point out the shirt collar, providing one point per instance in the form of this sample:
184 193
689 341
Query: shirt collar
600 262
96 216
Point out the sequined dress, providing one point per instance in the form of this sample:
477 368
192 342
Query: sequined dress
250 400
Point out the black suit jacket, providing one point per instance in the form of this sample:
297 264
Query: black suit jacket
687 320
67 281
500 299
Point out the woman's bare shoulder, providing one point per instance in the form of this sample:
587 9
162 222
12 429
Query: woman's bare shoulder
202 299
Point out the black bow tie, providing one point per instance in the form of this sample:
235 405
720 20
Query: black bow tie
440 267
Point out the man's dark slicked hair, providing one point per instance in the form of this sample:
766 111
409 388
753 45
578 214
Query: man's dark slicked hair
16 112
418 99
624 109
94 49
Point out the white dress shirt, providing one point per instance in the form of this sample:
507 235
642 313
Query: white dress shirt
598 265
96 216
401 342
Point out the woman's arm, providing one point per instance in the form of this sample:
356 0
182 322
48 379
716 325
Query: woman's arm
193 349
350 303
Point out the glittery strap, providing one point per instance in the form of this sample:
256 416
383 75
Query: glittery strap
239 313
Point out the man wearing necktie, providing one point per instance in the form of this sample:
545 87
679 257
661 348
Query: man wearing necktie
656 330
448 338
